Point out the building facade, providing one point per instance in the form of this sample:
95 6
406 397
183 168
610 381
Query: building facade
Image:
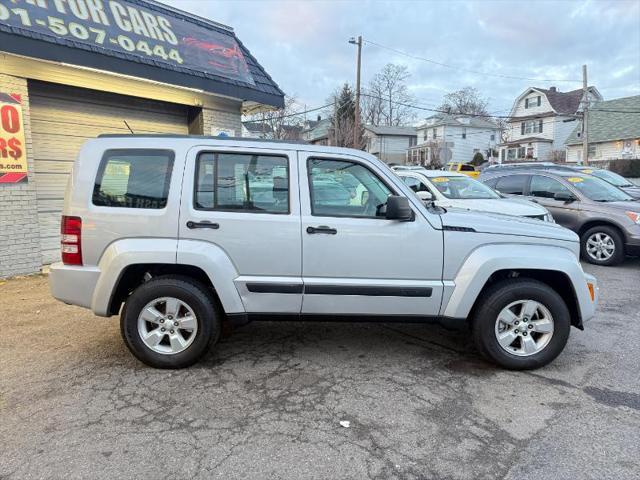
540 122
70 71
445 137
614 131
389 144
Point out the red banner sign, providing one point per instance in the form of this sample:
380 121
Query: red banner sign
13 153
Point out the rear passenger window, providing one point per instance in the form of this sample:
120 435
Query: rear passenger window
511 184
133 179
546 187
242 182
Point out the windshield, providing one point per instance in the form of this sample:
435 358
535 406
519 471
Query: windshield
598 190
612 178
458 188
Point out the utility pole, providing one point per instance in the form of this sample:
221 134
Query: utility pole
585 117
356 130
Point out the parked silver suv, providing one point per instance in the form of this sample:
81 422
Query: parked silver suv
191 232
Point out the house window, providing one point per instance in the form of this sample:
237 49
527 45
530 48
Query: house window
464 133
533 102
522 152
493 137
531 126
591 151
413 141
435 133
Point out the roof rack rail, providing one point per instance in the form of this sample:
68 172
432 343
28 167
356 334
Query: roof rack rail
202 137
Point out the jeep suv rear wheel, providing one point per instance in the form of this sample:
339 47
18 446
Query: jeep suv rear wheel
170 322
522 324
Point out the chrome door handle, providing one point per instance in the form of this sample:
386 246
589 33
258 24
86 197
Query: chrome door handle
322 229
204 224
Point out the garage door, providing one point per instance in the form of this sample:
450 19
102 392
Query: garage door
62 118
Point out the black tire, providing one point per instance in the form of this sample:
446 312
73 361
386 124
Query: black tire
191 292
614 233
500 295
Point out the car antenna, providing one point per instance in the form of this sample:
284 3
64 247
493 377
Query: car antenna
125 122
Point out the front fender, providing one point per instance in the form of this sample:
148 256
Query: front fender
486 260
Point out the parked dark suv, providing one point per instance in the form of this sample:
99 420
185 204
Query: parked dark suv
606 218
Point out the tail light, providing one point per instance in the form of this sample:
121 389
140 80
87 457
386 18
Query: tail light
71 240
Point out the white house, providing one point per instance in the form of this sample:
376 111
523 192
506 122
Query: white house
389 144
614 131
540 122
449 137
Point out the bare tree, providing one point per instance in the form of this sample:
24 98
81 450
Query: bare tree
386 99
466 101
280 124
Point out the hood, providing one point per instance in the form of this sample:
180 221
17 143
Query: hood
497 223
506 206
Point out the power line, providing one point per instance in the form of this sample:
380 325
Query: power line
468 70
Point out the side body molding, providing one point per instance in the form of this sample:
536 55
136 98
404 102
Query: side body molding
485 260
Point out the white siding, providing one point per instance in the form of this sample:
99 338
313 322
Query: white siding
479 139
548 129
425 133
606 151
521 111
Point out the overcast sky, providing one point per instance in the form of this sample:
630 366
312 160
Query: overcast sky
304 45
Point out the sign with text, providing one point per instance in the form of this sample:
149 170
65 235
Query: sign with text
131 27
13 152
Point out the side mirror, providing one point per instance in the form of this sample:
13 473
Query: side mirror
424 195
564 197
398 209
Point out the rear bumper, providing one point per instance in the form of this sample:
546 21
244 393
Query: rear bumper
73 284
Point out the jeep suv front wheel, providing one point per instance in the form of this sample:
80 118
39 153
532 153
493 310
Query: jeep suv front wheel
170 322
522 324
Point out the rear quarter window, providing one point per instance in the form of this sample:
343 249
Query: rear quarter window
133 178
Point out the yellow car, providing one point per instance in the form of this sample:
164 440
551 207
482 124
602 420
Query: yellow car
463 168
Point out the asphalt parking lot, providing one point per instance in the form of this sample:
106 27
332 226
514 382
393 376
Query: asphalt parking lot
268 402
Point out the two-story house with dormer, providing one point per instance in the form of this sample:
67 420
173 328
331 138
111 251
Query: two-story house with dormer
540 122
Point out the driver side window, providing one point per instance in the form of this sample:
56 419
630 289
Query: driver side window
340 188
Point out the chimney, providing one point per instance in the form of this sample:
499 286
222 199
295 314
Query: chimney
553 89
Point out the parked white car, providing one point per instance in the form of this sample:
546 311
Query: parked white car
456 190
180 234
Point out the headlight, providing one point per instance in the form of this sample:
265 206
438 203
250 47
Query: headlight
634 216
549 218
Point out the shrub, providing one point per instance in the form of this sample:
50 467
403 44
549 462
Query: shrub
478 159
626 167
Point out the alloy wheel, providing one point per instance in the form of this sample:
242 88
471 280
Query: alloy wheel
524 327
600 246
167 325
